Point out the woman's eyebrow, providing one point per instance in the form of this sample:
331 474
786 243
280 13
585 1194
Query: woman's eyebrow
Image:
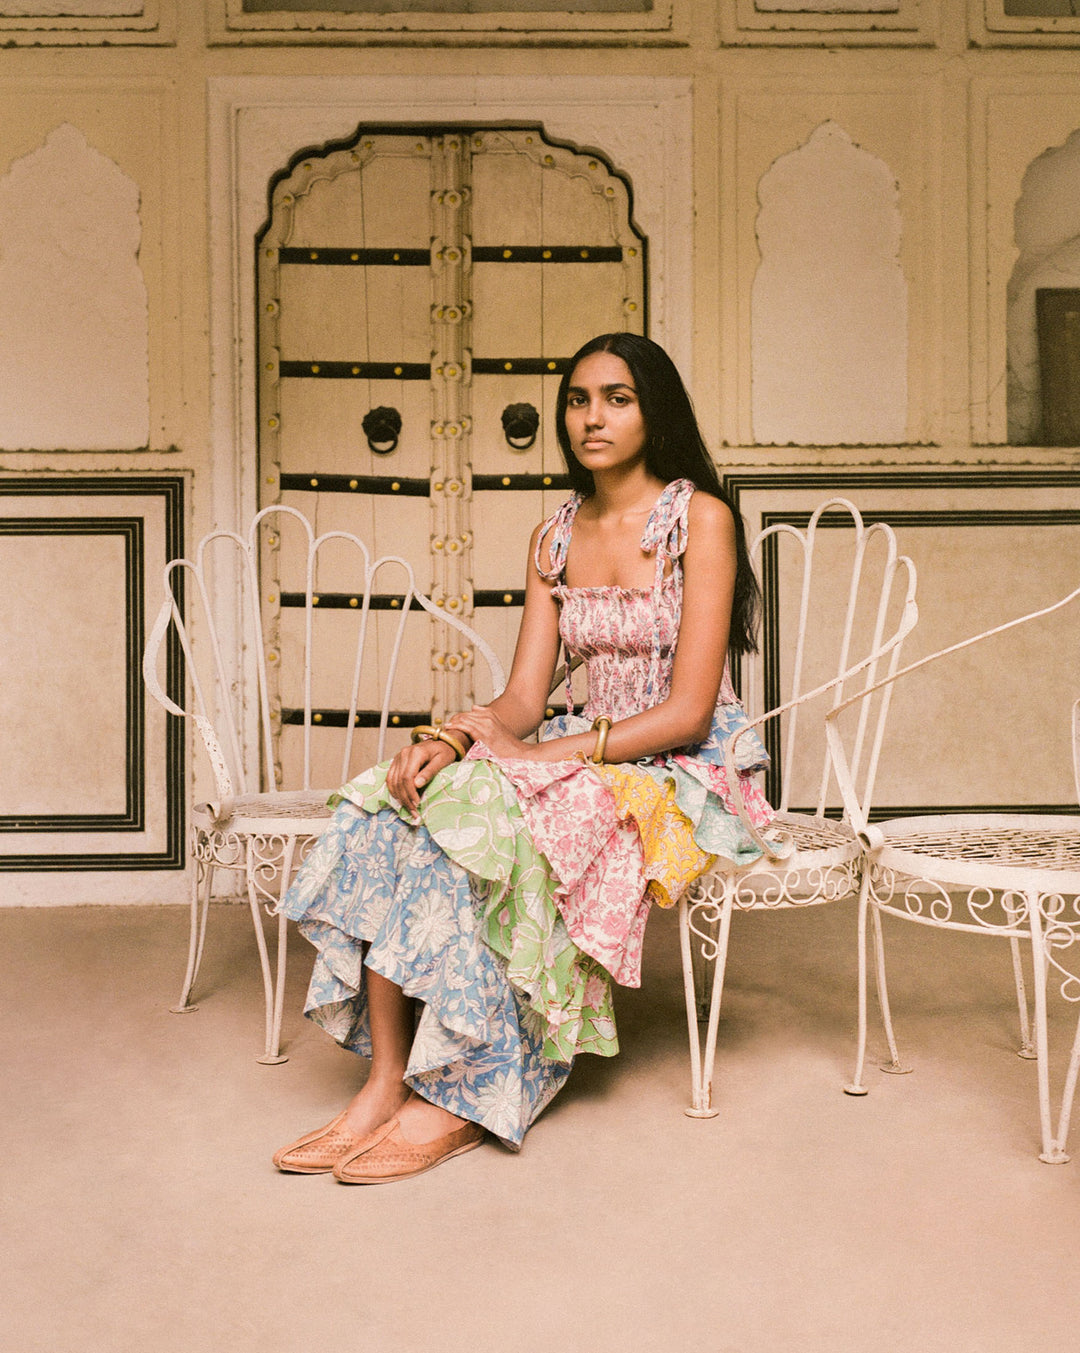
604 389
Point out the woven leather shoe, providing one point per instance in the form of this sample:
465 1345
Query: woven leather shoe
384 1156
317 1152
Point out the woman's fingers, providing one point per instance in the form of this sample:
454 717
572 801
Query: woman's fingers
413 768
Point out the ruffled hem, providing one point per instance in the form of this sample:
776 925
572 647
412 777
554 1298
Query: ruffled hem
376 893
672 858
596 857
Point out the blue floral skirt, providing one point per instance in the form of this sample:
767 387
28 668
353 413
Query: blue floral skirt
376 891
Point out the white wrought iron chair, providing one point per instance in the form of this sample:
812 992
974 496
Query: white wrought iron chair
263 820
849 613
1011 875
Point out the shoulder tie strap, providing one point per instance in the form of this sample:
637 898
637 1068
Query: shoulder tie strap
559 526
665 534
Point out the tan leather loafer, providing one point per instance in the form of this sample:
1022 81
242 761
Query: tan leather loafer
384 1156
317 1152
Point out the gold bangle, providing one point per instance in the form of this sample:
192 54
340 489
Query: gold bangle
603 728
423 732
455 744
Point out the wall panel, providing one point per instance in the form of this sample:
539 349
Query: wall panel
988 730
895 122
93 770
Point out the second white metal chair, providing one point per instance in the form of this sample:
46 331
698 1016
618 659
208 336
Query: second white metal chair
849 615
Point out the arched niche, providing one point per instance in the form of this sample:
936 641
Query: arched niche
74 328
829 303
1047 220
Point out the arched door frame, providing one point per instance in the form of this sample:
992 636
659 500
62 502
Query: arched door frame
257 124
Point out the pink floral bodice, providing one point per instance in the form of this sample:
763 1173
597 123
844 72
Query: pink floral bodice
626 635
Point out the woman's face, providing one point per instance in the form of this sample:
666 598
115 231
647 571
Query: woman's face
603 417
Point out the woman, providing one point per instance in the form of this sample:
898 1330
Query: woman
472 900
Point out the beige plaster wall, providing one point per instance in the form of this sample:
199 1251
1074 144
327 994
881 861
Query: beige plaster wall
951 109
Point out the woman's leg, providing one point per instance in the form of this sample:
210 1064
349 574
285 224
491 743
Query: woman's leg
385 1094
392 1020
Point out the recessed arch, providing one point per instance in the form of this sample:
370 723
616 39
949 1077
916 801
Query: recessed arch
74 329
1047 222
829 302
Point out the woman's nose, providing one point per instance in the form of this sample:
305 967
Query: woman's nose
594 415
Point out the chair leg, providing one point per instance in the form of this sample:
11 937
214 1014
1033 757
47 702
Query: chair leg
271 1056
1026 1048
702 966
690 993
1052 1152
895 1067
201 885
855 1086
703 1060
1069 1093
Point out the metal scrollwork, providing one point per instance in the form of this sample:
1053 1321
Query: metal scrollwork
222 849
272 860
1061 916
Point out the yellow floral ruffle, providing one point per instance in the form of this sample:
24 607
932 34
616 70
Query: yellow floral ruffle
673 859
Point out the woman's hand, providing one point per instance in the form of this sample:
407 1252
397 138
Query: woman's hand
412 769
483 725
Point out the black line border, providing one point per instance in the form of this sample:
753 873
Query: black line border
133 818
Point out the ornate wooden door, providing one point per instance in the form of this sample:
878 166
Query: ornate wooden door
419 296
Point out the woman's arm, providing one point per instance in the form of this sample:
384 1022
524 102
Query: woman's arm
686 715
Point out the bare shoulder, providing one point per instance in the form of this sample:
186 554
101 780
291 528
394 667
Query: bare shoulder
709 519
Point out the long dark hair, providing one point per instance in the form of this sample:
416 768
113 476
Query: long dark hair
674 449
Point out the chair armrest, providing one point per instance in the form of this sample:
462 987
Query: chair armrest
907 622
776 849
498 677
165 616
150 657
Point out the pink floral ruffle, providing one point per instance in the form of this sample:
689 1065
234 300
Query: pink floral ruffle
596 856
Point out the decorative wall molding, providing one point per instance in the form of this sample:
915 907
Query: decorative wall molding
829 324
991 25
241 22
764 121
819 23
110 23
74 328
95 773
1012 126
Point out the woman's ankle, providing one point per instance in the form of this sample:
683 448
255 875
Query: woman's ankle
422 1121
377 1100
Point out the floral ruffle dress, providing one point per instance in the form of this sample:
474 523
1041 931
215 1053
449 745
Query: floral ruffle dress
522 888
